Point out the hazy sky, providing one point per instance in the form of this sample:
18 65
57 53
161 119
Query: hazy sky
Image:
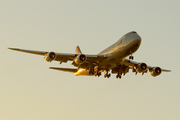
30 91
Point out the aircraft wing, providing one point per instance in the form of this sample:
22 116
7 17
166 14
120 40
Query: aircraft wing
29 51
133 64
64 57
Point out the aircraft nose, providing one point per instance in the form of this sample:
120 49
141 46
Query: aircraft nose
137 41
137 38
132 40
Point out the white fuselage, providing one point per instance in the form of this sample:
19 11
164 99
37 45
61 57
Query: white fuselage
125 46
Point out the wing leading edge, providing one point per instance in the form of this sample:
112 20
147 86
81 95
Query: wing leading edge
64 57
29 51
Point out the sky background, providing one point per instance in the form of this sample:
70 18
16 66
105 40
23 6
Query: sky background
30 91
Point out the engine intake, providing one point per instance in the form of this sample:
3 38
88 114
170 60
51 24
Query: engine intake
155 71
141 67
81 58
50 56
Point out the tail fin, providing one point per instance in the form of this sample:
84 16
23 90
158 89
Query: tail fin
77 50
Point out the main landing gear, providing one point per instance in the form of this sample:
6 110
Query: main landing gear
98 74
91 71
118 75
107 75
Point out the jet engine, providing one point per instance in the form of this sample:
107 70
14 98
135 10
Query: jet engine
155 71
141 67
50 56
81 58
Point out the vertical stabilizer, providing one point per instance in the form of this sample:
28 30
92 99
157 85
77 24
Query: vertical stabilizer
77 50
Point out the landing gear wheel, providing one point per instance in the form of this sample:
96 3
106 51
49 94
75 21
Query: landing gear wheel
131 57
109 75
96 74
105 76
91 71
118 75
99 74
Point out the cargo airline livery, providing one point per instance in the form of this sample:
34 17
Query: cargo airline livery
111 60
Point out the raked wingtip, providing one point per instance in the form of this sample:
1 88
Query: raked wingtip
13 48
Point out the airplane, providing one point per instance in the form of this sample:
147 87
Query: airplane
113 59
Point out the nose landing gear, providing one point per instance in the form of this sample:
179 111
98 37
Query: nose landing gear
131 57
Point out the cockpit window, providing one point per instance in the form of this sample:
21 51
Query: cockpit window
133 32
120 41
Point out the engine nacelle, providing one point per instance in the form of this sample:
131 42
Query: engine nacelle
50 56
141 67
81 58
155 71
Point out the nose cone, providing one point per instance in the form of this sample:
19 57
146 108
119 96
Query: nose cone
135 42
133 38
132 41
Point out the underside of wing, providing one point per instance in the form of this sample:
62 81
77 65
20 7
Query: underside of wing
143 68
132 64
65 69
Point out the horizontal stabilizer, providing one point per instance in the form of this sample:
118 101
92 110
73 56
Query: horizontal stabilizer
65 69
